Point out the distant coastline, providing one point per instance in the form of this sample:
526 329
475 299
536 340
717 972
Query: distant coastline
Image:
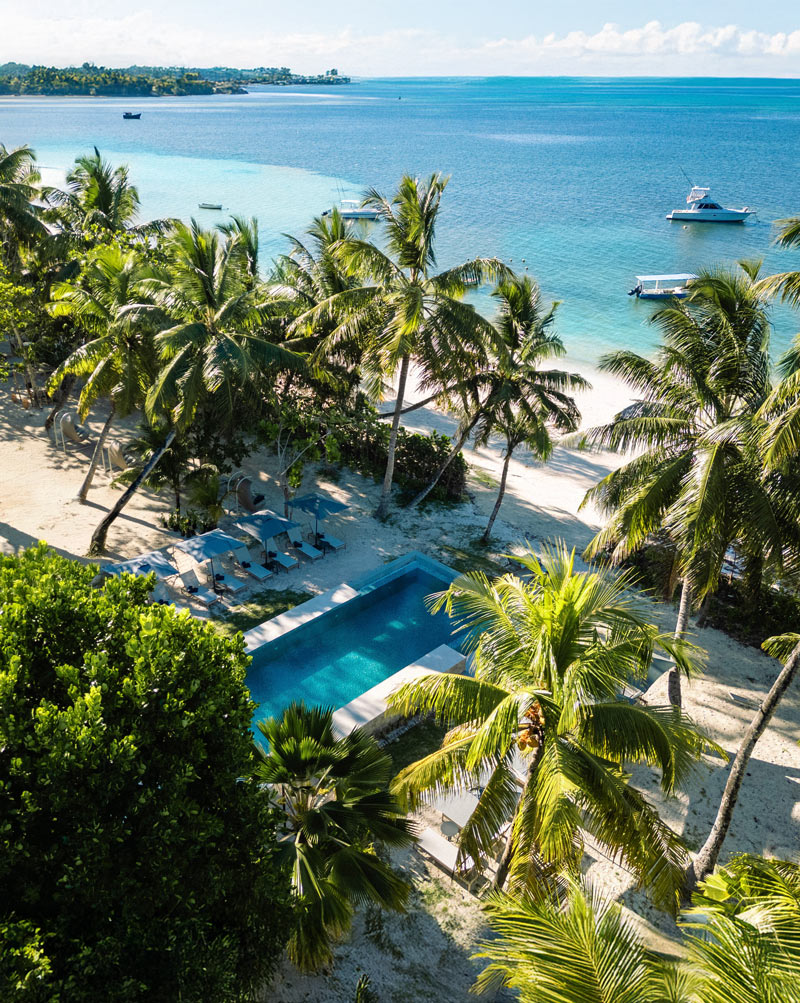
150 81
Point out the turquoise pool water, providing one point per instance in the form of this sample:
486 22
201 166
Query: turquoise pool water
333 659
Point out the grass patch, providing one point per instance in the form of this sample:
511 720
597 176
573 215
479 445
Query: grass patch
424 738
472 557
262 606
483 477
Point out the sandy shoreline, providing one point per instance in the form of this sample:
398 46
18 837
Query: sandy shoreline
39 483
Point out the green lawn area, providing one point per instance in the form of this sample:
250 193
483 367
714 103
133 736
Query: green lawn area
424 738
262 606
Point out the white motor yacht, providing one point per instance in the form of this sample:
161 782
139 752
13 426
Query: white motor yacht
662 287
352 209
702 210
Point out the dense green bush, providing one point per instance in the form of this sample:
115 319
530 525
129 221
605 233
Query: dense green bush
135 863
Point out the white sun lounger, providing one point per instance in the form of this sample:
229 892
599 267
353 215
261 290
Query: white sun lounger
71 432
284 560
255 570
443 852
298 543
198 591
331 542
161 597
229 583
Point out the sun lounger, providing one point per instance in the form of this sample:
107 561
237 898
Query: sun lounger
116 457
198 591
298 543
285 561
444 853
161 597
72 433
229 582
330 542
245 498
257 571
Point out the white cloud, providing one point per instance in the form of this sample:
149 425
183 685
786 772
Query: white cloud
652 49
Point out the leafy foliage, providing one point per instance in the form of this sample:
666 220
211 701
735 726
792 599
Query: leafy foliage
135 862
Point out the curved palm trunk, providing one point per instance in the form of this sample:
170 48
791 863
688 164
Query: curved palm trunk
383 505
28 368
98 544
443 466
96 455
508 850
499 502
684 610
706 859
60 399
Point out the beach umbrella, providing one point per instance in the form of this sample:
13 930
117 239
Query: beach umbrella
264 525
153 563
207 546
320 506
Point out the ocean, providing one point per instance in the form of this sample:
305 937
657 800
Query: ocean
569 179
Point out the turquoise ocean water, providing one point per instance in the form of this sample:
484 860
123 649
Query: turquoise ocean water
573 175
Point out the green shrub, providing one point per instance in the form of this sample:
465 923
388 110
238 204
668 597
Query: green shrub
135 863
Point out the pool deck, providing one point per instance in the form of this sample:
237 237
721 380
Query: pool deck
369 710
292 618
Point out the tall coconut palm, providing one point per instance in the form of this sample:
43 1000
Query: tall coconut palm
100 195
211 345
20 220
118 360
336 809
697 430
543 710
401 312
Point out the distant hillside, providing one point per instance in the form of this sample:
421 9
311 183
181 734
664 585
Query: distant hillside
148 81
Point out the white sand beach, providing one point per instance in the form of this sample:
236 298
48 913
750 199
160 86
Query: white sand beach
428 949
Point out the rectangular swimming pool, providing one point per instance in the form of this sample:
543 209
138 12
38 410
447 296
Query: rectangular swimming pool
344 652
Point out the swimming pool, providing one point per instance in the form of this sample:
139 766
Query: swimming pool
344 652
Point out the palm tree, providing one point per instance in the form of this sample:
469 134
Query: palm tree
118 362
173 464
336 807
697 429
211 346
403 313
19 218
99 195
543 709
786 646
523 401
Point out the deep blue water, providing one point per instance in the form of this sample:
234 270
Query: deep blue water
573 175
343 653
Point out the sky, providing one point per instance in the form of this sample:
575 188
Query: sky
415 37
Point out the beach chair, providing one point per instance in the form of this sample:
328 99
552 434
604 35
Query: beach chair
72 433
245 498
161 597
298 543
285 561
329 542
197 591
115 457
257 571
230 583
444 853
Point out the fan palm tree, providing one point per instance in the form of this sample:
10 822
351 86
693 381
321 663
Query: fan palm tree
118 360
100 195
543 709
402 312
19 218
336 810
211 346
697 428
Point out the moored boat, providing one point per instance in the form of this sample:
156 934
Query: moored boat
701 209
131 114
662 287
209 205
352 209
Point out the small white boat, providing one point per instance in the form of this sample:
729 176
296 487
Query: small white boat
662 287
209 205
703 210
352 209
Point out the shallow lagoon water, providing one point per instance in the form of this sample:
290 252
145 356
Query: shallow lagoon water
573 175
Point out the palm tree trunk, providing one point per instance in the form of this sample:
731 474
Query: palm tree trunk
98 544
706 859
443 466
60 399
499 502
383 505
96 455
26 363
508 850
684 610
